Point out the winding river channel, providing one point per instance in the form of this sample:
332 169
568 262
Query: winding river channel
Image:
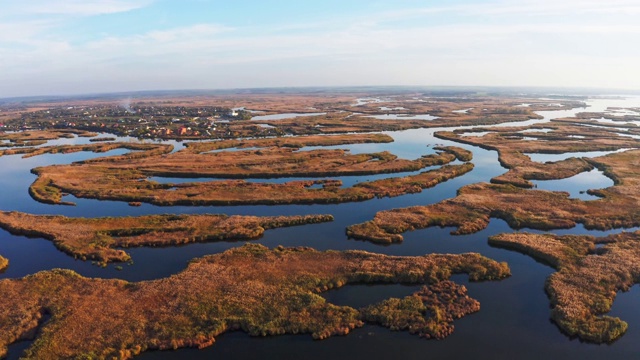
513 322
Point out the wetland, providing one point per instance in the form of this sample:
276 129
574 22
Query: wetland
210 243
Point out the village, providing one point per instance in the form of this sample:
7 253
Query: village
165 122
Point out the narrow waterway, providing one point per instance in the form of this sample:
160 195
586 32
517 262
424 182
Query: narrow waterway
514 317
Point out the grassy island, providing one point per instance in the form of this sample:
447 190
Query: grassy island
251 288
290 142
4 263
39 137
98 238
556 137
587 280
138 150
471 210
124 178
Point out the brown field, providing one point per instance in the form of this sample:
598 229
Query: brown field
251 288
268 103
587 280
99 238
124 177
340 114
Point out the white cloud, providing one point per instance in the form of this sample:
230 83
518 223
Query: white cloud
23 31
70 7
529 43
549 7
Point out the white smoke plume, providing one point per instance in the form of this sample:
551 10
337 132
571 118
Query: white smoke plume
126 104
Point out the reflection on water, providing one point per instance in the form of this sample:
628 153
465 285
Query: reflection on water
478 134
558 157
577 185
284 116
514 319
625 306
403 117
621 122
364 101
347 181
543 130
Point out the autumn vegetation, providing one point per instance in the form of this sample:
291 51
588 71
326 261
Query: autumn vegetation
251 288
512 144
124 178
471 210
295 142
344 122
588 278
138 149
39 137
340 113
445 301
101 239
265 291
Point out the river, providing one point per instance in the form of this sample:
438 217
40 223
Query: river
514 318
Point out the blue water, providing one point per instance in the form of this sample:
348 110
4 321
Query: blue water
577 185
513 322
283 116
559 157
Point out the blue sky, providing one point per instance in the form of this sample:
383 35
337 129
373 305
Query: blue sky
50 47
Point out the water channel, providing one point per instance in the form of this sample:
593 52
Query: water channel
514 318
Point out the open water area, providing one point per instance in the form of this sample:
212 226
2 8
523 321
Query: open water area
513 322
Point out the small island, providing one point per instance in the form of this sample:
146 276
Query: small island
4 263
250 288
587 280
471 210
99 239
125 178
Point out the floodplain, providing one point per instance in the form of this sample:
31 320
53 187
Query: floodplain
401 182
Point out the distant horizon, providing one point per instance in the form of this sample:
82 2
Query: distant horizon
70 47
525 90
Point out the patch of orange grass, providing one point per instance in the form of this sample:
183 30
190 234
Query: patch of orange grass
260 291
98 238
476 204
124 179
587 280
4 263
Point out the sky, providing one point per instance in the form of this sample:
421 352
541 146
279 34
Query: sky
63 47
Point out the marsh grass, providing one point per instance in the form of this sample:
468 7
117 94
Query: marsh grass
260 291
100 239
585 285
124 178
